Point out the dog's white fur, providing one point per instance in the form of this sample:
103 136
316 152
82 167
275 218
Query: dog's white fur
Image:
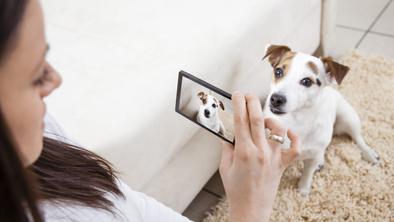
212 105
315 113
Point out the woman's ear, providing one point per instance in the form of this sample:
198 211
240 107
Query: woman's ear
221 105
275 53
334 70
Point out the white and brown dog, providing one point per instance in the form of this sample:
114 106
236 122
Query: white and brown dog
208 113
302 100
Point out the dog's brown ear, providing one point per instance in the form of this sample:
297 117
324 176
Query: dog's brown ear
221 105
203 97
334 69
275 53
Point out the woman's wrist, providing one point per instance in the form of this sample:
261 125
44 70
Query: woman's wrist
255 209
250 213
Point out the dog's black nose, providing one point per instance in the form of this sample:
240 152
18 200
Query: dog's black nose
277 100
206 113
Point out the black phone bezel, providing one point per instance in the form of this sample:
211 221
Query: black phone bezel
182 74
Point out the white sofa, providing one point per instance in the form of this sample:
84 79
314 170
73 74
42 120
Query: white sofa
120 59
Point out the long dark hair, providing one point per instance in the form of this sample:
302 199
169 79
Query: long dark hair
63 172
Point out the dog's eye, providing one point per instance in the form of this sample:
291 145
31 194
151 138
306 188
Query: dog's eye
307 82
278 73
214 105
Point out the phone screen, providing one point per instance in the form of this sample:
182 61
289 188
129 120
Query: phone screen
205 105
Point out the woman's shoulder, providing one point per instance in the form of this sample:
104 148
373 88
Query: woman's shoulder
124 208
133 206
150 209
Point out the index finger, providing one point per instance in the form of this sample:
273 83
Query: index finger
256 119
241 119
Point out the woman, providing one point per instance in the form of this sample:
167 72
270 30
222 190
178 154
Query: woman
44 179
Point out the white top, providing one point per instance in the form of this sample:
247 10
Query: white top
135 207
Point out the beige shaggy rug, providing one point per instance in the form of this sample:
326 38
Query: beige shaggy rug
348 188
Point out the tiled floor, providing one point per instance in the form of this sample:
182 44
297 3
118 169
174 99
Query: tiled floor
366 25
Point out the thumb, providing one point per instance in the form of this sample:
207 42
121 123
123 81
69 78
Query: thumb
294 151
227 156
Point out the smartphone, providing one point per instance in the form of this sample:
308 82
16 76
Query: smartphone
205 105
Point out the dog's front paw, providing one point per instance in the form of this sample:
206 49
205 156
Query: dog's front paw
304 191
304 187
371 156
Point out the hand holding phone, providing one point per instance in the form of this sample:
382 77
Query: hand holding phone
251 169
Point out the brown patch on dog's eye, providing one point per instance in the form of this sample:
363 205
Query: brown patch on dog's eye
313 67
282 69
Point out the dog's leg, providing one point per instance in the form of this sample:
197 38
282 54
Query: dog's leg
348 122
310 166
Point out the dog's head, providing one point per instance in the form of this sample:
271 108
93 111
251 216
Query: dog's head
210 104
298 78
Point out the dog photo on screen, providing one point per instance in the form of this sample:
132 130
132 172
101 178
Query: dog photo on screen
207 108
